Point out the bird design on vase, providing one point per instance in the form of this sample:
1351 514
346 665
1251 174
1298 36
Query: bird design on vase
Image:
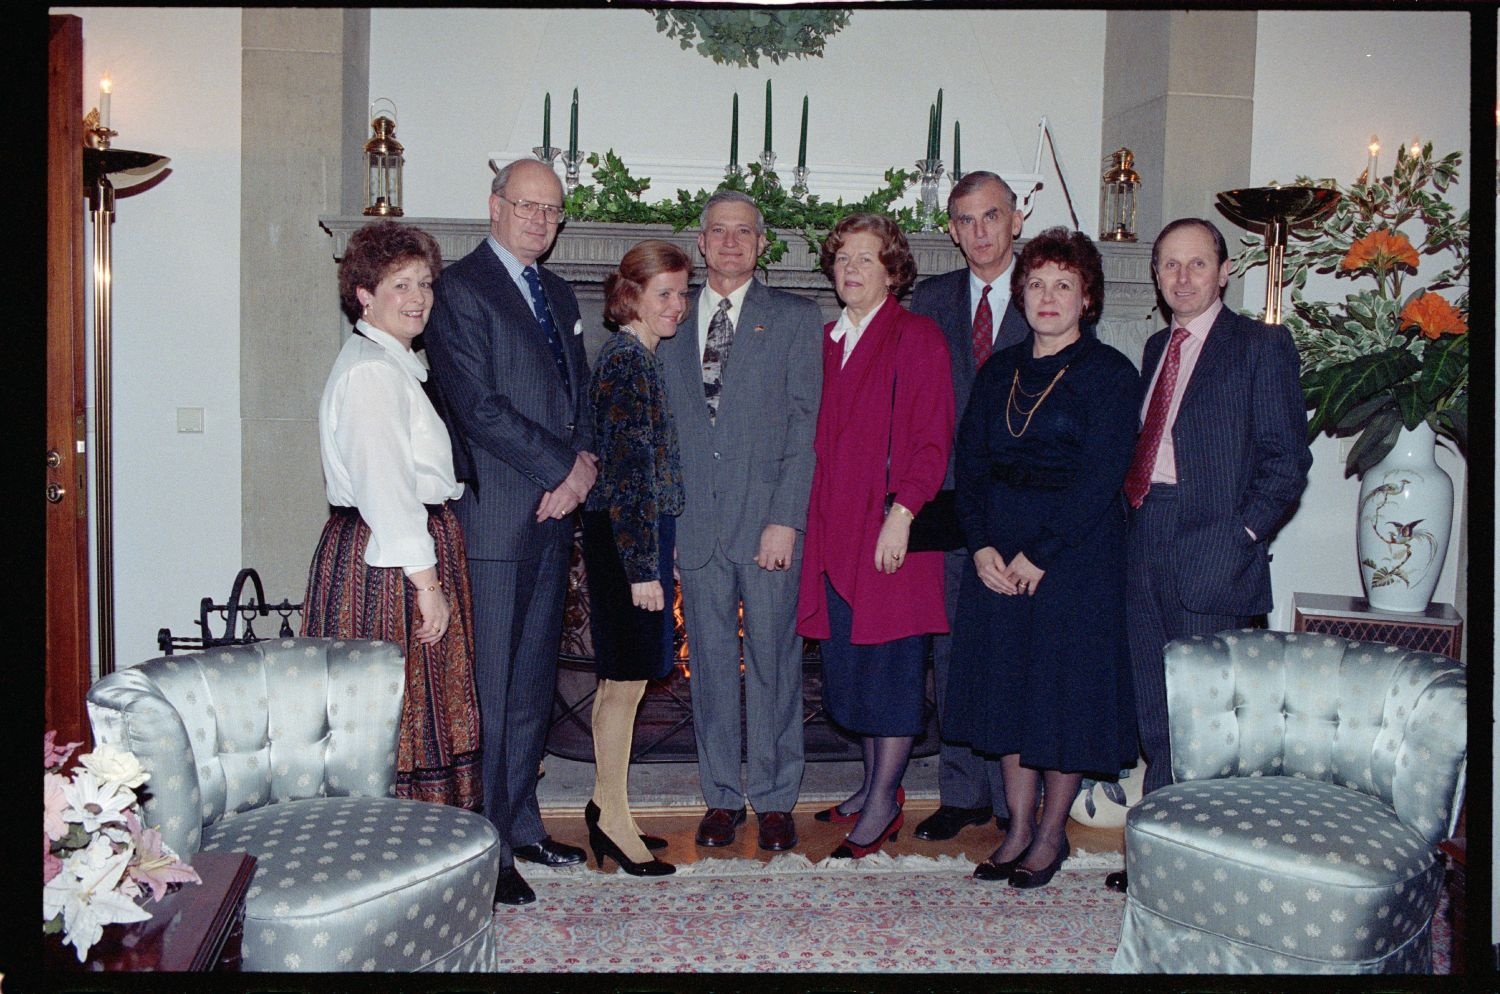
1400 539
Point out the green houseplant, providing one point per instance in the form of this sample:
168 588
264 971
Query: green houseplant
1394 353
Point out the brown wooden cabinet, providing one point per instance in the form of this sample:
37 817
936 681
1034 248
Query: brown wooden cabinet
196 928
1438 629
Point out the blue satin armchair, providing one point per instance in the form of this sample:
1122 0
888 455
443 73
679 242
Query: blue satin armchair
286 750
1313 780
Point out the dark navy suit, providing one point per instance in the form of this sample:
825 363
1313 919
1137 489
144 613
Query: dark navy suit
518 428
1240 440
965 779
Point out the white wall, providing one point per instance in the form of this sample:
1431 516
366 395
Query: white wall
1324 82
176 343
469 85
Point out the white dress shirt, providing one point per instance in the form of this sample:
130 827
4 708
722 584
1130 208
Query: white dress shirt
999 298
708 306
385 450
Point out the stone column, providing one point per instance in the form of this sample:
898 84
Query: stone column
305 103
1178 91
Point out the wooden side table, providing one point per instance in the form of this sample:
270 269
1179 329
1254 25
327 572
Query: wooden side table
1438 629
196 928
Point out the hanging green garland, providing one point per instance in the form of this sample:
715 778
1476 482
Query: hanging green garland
742 37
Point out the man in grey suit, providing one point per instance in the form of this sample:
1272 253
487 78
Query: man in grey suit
508 361
1219 464
974 308
743 377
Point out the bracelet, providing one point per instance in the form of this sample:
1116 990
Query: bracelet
430 587
903 508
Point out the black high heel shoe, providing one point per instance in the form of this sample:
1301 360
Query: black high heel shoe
1026 879
991 871
603 846
591 819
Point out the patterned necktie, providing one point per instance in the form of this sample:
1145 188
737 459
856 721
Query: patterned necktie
544 318
1138 480
715 355
984 329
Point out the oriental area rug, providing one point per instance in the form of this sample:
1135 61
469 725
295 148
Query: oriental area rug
881 914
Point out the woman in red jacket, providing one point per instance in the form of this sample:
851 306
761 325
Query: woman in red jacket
884 427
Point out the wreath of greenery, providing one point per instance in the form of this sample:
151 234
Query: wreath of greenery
615 196
742 37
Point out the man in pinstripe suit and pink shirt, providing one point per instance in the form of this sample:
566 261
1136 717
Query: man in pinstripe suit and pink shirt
1220 462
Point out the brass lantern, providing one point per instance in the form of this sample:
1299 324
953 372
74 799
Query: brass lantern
383 164
1117 193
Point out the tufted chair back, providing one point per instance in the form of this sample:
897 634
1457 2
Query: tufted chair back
1385 721
240 727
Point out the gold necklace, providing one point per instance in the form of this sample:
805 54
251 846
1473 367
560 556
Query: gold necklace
1015 385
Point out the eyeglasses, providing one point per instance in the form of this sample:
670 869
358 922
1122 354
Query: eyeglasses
528 209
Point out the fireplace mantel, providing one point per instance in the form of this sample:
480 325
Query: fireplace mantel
587 251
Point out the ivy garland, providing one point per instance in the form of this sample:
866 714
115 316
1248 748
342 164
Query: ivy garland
616 197
742 37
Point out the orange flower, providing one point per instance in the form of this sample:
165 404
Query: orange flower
1380 250
1432 315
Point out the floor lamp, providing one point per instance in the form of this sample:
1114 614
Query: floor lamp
100 164
1274 210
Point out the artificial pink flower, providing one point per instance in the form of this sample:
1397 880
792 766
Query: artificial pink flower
54 803
51 865
153 865
54 756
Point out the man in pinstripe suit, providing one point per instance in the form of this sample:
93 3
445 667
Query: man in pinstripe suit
1220 462
508 359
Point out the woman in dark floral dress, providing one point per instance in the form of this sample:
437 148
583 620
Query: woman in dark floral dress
628 527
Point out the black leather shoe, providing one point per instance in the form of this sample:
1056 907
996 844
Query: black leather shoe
947 821
549 852
1117 881
511 889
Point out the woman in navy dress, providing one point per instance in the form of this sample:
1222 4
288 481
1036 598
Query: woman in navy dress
1040 675
628 530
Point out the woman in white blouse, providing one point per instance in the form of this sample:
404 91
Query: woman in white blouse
390 563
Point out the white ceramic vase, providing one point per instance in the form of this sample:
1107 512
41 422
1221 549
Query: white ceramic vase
1404 519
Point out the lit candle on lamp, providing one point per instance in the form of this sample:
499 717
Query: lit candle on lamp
767 147
1372 170
573 127
547 122
802 142
1414 147
105 88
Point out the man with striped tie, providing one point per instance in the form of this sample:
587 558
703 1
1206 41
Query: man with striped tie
1219 464
744 376
507 357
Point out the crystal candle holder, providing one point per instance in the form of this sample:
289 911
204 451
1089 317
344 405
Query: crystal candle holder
931 171
799 181
571 163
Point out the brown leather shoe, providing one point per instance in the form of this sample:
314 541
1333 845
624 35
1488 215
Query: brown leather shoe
718 826
778 830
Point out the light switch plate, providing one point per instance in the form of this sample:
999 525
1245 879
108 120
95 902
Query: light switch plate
190 420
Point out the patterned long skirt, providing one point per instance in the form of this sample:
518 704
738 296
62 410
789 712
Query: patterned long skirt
438 751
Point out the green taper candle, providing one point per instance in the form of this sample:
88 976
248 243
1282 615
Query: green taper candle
768 117
802 142
955 148
573 127
734 133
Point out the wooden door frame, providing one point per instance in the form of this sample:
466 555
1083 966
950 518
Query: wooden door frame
68 667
